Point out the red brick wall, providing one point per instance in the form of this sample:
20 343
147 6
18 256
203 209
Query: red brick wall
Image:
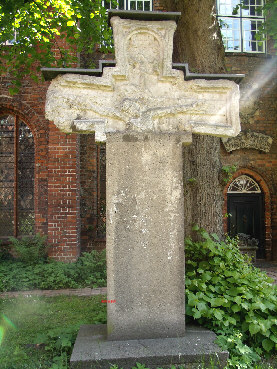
260 116
56 169
63 195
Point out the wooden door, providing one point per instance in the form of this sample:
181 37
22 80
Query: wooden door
246 215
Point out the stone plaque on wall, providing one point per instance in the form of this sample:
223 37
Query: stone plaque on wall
248 140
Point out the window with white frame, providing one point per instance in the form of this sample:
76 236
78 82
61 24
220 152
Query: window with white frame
240 22
145 5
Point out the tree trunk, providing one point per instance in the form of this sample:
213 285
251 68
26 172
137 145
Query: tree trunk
198 42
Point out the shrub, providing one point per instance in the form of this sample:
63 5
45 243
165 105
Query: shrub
5 252
30 250
92 268
56 275
227 294
88 271
15 276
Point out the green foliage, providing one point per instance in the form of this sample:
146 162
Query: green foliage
270 26
226 172
40 331
203 366
225 293
5 252
92 268
59 343
30 249
41 27
88 271
192 181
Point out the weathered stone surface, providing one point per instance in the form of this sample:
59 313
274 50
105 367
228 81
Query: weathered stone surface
146 111
195 348
143 93
248 140
145 235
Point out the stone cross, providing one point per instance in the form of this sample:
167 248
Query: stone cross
145 112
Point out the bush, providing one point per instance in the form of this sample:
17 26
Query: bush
226 293
92 268
5 252
88 271
30 250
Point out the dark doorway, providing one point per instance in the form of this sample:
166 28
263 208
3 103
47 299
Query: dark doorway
247 216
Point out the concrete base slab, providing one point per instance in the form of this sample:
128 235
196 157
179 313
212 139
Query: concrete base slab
93 350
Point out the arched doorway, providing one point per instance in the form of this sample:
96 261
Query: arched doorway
245 206
17 161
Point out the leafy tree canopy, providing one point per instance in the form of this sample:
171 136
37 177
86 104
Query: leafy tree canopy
38 29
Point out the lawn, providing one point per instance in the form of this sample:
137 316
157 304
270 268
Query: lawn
25 321
224 293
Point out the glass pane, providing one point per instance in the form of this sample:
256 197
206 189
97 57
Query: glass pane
132 5
147 5
226 7
254 46
230 29
250 29
25 184
252 8
261 47
7 131
139 5
121 4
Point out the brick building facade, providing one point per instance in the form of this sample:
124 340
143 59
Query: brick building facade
67 200
257 158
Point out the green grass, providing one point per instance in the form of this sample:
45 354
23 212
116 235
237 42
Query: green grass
23 319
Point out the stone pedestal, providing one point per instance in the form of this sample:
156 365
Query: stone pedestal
196 348
145 235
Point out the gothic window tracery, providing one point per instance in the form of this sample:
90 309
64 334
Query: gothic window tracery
17 156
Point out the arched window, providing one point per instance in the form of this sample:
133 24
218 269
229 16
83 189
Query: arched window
17 157
244 184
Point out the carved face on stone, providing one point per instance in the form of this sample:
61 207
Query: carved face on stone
143 52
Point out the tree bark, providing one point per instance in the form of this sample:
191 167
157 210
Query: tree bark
198 42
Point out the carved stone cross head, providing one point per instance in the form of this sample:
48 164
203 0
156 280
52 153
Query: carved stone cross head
147 111
143 93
